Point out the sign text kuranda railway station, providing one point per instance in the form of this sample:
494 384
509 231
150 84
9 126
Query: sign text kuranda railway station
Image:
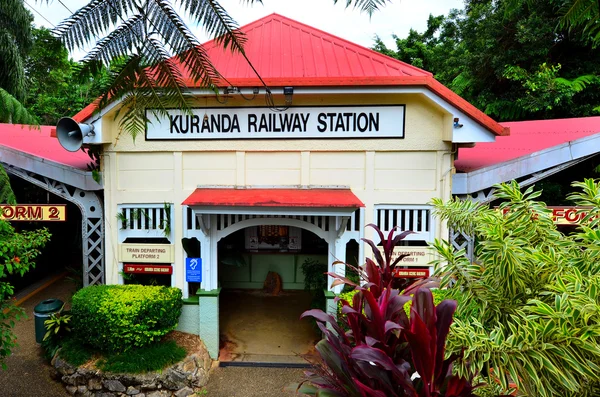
382 121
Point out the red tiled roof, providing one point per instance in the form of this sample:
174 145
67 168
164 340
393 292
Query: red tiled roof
40 143
308 198
289 53
526 137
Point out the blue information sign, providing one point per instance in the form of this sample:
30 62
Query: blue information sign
193 270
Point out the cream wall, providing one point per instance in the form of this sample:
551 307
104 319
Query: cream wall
412 170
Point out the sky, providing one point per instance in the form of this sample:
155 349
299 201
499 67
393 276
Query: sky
397 17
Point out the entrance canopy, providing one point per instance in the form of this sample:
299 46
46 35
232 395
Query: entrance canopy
322 201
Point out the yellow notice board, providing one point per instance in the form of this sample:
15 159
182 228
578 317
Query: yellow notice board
38 212
417 256
146 253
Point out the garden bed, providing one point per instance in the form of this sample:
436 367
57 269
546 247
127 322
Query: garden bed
181 379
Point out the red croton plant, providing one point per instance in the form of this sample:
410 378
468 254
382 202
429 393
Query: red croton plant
385 353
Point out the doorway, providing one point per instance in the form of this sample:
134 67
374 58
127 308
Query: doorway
263 294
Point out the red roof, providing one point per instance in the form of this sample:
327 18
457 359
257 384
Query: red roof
38 142
526 137
307 198
289 53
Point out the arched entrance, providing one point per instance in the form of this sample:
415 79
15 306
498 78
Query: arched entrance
211 217
269 274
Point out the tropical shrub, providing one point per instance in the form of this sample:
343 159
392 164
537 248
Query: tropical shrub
120 317
58 328
314 275
535 292
17 255
384 353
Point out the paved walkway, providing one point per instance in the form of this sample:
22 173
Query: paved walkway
252 382
28 374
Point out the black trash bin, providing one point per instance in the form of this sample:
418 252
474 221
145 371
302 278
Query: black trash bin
41 313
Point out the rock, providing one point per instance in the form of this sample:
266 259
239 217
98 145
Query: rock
189 365
159 393
148 386
201 378
82 390
185 392
273 283
175 379
132 391
63 367
76 379
105 394
95 384
71 390
114 385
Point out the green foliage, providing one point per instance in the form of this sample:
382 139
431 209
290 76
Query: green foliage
58 328
12 111
17 254
73 352
512 59
57 86
7 196
530 299
151 358
121 317
15 40
315 278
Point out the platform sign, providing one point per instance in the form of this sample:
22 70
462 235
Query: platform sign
137 268
411 273
415 256
37 212
146 253
193 270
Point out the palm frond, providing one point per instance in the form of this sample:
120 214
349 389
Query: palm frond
7 196
92 21
12 111
122 41
368 6
582 14
12 71
216 22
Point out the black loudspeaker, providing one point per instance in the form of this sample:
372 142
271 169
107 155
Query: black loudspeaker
70 133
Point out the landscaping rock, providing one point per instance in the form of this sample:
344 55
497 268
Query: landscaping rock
179 380
63 367
95 384
114 385
160 393
185 392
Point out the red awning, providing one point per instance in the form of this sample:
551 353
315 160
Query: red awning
306 198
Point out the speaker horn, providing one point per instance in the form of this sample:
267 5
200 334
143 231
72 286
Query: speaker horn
70 133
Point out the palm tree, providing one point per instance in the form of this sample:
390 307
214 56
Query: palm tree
15 41
143 42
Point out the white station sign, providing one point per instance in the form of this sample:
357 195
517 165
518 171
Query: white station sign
382 121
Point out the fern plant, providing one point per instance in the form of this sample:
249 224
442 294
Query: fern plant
146 44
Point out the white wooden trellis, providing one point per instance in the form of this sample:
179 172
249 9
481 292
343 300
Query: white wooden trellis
145 221
407 217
